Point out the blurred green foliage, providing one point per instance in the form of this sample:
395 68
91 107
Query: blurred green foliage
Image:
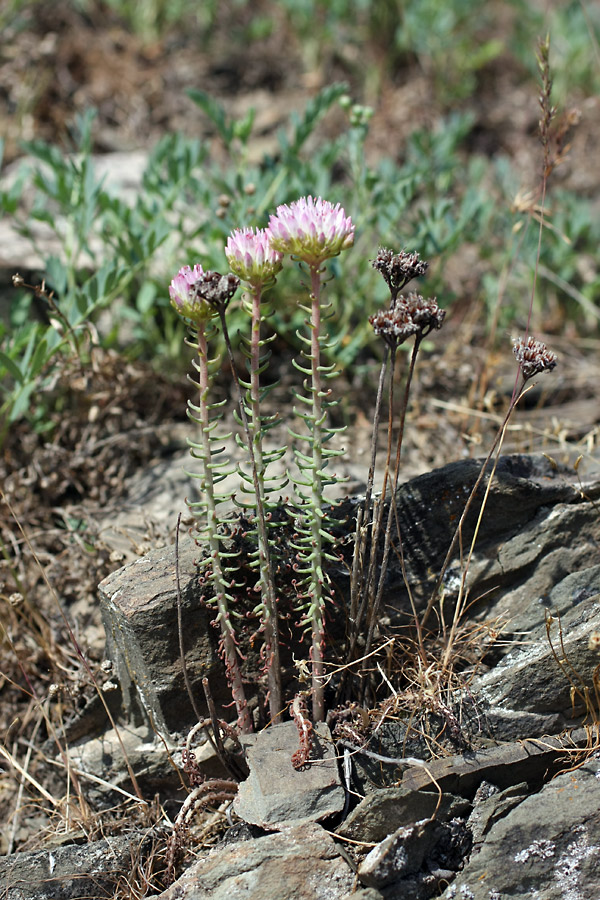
430 193
451 40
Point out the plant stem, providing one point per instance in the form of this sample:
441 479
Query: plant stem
357 578
230 653
267 584
368 583
184 669
375 602
316 578
253 434
463 592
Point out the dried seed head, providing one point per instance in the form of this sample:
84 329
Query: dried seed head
411 314
217 289
425 313
533 357
394 325
397 269
594 641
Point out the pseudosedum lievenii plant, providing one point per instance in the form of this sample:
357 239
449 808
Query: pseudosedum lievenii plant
311 231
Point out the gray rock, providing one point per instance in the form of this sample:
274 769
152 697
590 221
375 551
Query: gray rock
413 861
531 760
104 758
531 565
431 505
154 762
71 871
156 495
383 812
567 593
298 863
400 854
530 680
139 612
506 725
275 794
547 848
490 805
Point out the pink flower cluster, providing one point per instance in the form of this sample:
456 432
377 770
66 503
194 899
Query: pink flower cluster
184 297
308 229
312 230
251 256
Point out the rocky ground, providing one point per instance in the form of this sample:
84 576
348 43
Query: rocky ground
489 789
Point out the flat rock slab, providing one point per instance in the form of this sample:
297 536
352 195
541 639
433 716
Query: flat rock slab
547 848
71 871
275 794
139 612
551 561
384 811
530 678
430 506
301 862
506 765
